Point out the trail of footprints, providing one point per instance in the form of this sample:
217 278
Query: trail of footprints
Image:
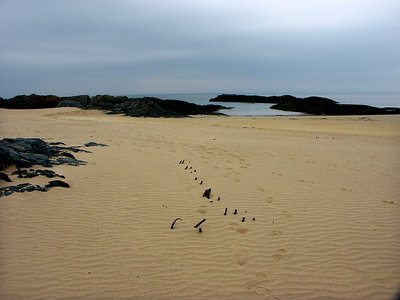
241 215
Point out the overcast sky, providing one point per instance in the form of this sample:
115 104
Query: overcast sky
69 47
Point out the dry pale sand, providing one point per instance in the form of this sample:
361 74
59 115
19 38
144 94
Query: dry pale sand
324 193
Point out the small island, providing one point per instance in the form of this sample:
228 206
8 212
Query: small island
309 105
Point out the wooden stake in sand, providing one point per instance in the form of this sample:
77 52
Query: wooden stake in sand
226 210
198 224
207 193
173 223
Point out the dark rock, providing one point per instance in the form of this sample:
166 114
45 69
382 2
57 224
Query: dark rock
24 173
75 149
94 144
59 183
4 176
81 101
67 154
26 152
67 161
135 107
56 143
154 107
71 103
309 105
323 106
21 188
32 101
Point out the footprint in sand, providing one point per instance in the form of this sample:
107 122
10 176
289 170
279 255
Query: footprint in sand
286 214
258 285
387 202
235 226
347 190
242 230
242 258
202 211
306 181
280 255
269 199
276 232
278 174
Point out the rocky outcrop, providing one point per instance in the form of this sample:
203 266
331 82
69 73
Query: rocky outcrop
31 173
28 187
21 188
135 107
154 107
27 152
81 101
30 102
309 105
323 106
24 153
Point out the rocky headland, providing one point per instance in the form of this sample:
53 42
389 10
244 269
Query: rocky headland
135 107
308 105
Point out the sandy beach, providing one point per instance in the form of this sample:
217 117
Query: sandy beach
320 198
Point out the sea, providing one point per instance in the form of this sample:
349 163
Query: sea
261 109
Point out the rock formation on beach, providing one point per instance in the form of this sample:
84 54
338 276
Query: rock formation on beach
135 107
309 105
27 152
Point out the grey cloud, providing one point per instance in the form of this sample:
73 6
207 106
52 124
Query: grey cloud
66 47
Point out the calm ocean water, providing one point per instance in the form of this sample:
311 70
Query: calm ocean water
257 109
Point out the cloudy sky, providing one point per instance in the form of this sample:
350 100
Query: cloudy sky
192 46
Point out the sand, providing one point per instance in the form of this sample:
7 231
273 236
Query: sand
324 193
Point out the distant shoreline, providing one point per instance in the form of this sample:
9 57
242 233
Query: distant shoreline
156 107
310 105
133 107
